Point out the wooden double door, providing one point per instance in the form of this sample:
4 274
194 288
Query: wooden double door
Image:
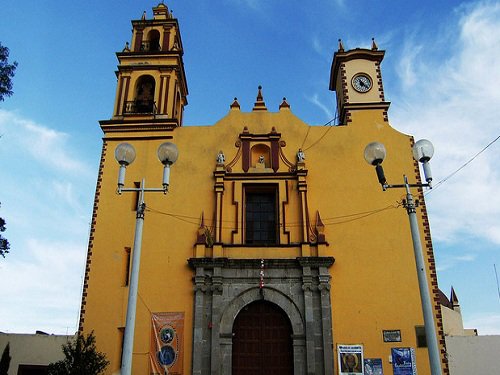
262 341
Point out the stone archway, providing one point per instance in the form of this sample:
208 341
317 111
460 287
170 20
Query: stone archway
262 340
284 303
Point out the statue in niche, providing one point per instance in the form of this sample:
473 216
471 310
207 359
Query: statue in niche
144 101
220 157
301 156
261 159
145 91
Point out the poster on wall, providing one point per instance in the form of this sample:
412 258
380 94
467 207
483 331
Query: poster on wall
403 361
350 359
167 340
373 366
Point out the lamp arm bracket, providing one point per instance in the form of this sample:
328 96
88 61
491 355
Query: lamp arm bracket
387 186
162 190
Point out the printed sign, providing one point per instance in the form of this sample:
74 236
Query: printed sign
167 337
373 366
393 335
403 361
350 359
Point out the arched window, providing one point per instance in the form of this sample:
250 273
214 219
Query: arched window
144 97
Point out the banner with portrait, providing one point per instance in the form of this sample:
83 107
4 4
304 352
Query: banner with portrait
167 341
350 359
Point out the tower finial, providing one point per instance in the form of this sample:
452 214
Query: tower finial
260 105
235 104
374 45
284 104
341 46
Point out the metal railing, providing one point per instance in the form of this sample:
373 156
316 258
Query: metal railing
139 107
150 46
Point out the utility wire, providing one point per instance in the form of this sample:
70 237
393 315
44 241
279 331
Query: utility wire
326 221
330 127
329 123
496 275
462 167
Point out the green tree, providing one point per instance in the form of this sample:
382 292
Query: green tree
4 242
5 361
7 72
81 358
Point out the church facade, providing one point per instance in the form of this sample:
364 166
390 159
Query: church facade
275 250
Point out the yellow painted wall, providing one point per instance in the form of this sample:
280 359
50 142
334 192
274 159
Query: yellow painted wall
374 284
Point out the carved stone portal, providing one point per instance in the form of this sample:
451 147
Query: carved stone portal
300 287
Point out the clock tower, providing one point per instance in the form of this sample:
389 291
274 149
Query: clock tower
356 78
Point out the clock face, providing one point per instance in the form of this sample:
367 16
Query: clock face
362 83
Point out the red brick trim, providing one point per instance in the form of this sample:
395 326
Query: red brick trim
380 83
343 77
91 237
431 268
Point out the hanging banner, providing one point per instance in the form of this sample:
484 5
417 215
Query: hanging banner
373 366
350 359
167 340
403 361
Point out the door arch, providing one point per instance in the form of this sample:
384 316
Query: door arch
262 340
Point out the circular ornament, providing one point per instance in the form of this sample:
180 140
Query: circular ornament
167 335
166 356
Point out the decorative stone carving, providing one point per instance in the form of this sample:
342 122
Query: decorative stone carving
301 157
221 158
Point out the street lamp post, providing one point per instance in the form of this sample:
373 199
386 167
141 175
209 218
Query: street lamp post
125 155
422 151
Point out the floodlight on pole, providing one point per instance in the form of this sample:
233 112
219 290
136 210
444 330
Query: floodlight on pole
423 151
125 155
168 154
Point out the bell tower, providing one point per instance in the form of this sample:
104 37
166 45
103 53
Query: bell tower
151 82
356 78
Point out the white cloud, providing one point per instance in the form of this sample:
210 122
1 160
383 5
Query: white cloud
252 4
454 104
487 323
46 201
450 261
325 108
317 46
46 146
406 66
44 290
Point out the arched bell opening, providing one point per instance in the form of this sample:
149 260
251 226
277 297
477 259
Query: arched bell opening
153 42
143 102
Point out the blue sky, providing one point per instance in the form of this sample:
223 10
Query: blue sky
440 73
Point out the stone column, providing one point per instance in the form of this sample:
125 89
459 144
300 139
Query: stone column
299 348
199 296
216 364
326 319
309 319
